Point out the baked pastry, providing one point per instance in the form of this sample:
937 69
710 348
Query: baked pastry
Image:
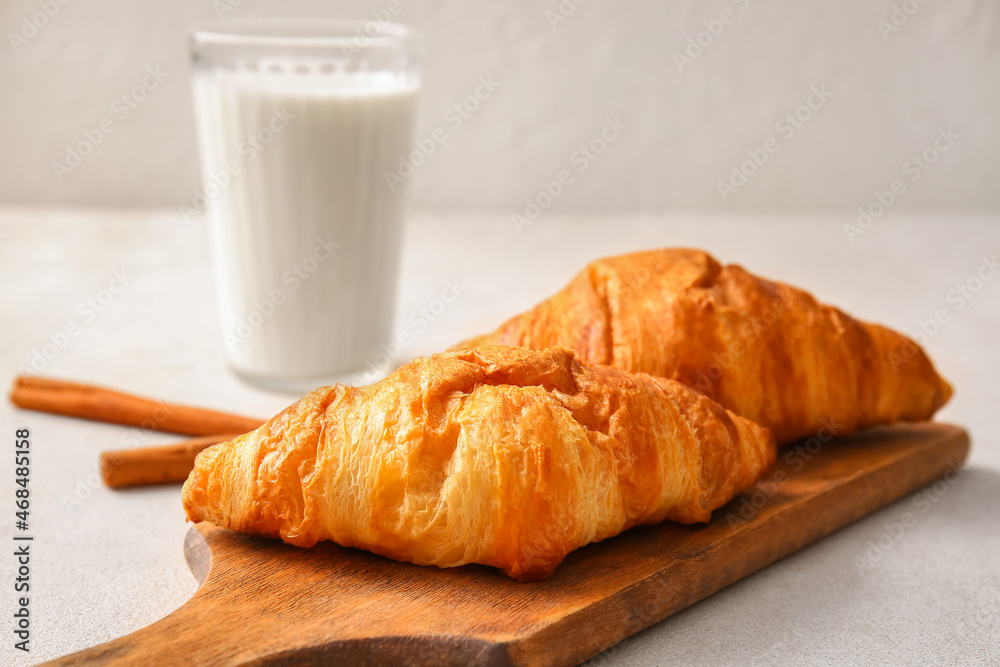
500 456
767 351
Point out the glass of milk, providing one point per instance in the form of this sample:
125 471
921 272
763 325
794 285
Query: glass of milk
301 125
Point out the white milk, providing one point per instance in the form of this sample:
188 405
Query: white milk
306 232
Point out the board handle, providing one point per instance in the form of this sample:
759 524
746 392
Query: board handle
212 628
172 636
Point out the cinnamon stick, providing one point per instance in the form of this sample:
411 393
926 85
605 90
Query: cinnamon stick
154 465
106 405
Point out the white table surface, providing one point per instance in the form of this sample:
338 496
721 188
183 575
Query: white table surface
106 563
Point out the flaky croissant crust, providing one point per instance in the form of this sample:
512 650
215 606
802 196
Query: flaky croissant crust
499 456
767 351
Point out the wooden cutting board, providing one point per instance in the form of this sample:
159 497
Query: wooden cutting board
262 602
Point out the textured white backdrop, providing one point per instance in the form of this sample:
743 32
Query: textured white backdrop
559 82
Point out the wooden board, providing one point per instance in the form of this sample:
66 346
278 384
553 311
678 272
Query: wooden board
262 602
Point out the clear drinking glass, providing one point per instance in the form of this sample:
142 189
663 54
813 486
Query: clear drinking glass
301 127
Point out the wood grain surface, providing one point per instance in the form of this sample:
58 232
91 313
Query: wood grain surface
262 602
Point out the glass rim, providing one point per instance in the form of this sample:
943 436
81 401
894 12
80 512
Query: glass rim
299 32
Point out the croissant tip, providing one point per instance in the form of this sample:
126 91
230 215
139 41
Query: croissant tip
946 390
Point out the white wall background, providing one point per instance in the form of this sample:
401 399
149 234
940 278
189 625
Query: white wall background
607 59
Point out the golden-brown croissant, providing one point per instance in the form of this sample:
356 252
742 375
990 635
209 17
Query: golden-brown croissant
501 456
767 351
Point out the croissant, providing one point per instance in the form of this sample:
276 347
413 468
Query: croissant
767 351
505 457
